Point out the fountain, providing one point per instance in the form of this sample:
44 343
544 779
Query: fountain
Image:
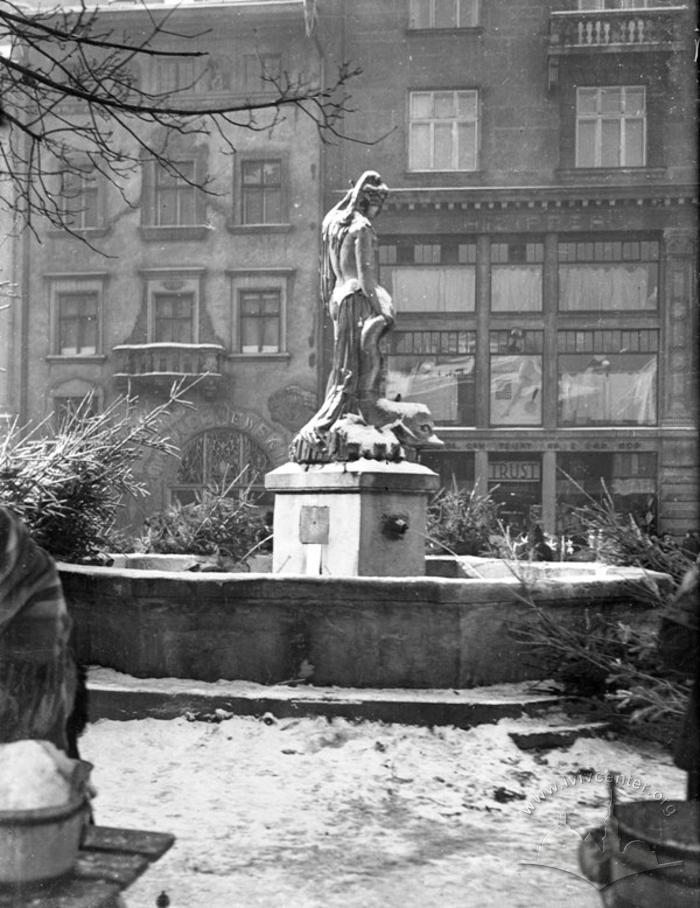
351 600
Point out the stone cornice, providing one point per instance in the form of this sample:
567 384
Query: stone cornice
539 197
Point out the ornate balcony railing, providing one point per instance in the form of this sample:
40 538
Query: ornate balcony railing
653 28
157 366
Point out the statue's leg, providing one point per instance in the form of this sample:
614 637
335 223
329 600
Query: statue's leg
373 330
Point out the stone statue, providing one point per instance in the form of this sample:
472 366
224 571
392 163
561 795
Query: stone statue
354 420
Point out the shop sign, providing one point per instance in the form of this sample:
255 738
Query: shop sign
514 471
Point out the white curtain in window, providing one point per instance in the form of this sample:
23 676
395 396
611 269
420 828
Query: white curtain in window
611 287
434 289
620 397
516 288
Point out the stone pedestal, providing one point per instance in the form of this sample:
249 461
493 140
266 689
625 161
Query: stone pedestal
358 519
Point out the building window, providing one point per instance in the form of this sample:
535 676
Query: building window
260 312
515 377
444 14
585 5
78 323
610 277
611 126
443 130
221 458
175 75
629 478
259 298
607 377
516 277
173 318
435 368
261 71
173 301
175 195
80 199
429 277
261 192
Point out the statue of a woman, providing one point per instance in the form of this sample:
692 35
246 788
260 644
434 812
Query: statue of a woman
353 420
360 309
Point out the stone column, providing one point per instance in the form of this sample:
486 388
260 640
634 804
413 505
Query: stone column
678 356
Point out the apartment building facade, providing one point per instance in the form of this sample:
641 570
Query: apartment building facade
540 242
163 282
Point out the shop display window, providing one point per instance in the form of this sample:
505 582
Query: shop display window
628 479
435 368
611 379
516 378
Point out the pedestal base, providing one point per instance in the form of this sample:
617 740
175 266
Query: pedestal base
358 519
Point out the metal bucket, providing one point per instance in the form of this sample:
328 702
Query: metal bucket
646 856
40 844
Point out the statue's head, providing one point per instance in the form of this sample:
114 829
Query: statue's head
370 191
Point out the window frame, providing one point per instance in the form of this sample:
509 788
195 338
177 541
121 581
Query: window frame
455 123
182 86
504 257
626 5
170 282
528 345
151 229
259 319
596 347
255 83
600 251
598 119
85 284
90 184
413 15
280 280
436 346
444 256
188 490
237 224
166 181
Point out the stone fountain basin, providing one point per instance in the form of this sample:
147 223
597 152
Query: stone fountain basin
423 632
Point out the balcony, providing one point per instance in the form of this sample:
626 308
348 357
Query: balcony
614 31
156 366
617 30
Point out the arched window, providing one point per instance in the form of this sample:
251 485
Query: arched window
221 457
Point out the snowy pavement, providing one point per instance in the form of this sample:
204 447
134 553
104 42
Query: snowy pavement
304 813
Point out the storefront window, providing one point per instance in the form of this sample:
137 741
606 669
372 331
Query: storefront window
610 380
516 277
429 277
608 277
629 478
435 368
516 378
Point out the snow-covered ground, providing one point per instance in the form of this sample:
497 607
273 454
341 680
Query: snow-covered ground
301 813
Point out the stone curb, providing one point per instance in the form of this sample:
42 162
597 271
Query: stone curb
463 709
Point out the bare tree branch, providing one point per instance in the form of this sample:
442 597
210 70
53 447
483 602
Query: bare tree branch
73 99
